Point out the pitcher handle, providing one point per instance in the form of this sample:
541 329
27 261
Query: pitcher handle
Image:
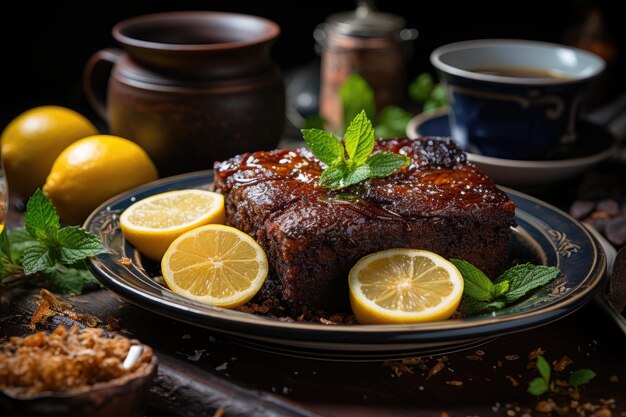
96 78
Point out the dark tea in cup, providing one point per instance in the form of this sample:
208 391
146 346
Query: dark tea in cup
515 99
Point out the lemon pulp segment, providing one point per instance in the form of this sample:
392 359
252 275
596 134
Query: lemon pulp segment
404 286
215 264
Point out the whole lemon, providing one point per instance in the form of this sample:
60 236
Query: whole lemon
92 170
32 141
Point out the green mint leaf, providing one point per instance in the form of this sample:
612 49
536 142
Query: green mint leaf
66 280
581 377
537 387
5 265
477 285
360 165
514 273
71 279
524 278
338 176
430 106
5 245
385 132
8 265
474 307
438 98
544 368
19 236
331 177
382 164
499 289
9 268
357 175
40 214
84 271
439 95
326 147
20 239
74 244
421 87
392 121
89 278
356 95
314 122
359 138
37 258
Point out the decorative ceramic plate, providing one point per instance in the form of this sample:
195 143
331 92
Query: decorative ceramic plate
595 144
544 235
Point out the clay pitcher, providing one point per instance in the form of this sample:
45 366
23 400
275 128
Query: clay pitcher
190 88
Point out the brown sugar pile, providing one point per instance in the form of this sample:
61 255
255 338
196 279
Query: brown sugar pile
68 360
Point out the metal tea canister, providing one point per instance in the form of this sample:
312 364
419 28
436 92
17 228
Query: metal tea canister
372 43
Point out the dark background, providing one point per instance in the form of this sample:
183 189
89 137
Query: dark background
46 44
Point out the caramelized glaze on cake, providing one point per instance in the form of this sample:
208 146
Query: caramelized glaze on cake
313 236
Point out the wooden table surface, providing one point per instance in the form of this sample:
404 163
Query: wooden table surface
201 371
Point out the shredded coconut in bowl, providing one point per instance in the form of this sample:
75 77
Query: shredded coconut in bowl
68 360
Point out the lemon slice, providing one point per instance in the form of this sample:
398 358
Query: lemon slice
152 224
215 264
404 286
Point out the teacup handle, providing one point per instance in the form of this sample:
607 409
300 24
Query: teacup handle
96 78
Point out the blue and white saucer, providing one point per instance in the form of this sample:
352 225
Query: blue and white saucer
595 145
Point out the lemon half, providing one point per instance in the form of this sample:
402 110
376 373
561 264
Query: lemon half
215 264
152 224
404 286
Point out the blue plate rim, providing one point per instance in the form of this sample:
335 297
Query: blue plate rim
236 323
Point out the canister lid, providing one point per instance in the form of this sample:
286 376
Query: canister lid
366 21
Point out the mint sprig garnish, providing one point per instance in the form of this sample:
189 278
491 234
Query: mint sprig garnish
484 295
581 377
477 285
44 247
352 161
543 383
40 215
356 94
524 278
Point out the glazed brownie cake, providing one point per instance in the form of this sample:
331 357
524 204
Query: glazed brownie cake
313 236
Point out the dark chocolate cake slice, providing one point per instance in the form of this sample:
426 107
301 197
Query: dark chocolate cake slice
313 236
